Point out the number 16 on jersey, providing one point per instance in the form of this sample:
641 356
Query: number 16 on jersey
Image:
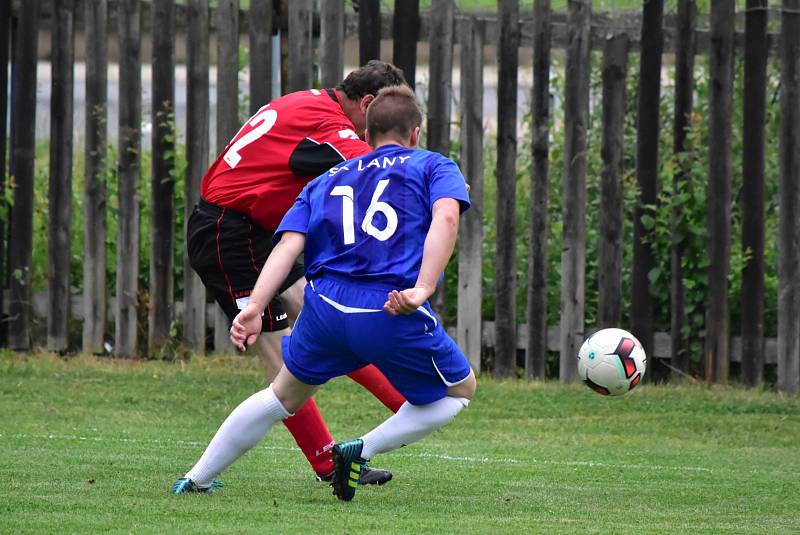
367 225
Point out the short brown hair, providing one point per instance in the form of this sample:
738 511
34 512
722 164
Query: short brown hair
371 78
395 109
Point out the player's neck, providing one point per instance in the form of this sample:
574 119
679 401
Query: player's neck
389 141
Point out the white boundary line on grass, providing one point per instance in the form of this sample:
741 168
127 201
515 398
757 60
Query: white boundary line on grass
424 455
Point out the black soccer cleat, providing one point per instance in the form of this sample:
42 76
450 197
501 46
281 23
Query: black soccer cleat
369 476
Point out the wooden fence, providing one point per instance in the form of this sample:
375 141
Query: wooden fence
578 31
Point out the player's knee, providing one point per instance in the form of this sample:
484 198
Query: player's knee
269 348
292 298
465 389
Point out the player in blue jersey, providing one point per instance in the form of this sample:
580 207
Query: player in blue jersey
376 232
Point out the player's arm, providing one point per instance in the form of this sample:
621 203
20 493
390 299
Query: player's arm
439 244
247 324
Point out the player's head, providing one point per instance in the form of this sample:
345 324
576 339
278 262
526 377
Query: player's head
394 116
361 86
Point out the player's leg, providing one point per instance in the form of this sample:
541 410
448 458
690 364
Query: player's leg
224 249
306 425
369 376
438 387
244 428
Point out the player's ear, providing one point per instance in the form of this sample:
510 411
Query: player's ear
414 139
364 103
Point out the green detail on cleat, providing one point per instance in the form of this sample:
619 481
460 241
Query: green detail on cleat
347 468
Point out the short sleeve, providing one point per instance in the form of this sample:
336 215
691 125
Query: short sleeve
339 135
446 181
296 219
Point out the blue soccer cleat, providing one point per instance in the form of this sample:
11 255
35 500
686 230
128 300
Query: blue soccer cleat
348 466
185 485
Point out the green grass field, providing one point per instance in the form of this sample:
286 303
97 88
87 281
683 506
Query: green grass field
93 445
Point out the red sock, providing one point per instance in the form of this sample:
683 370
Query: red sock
312 435
373 380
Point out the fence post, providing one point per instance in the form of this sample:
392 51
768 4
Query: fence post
129 173
440 92
647 125
260 27
60 190
470 236
331 42
94 228
788 248
505 273
20 246
5 40
194 293
369 30
684 87
405 30
610 232
719 188
536 351
162 181
227 116
300 49
576 123
755 89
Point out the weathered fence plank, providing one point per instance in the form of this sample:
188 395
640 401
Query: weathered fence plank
789 221
94 228
505 272
227 116
129 173
647 126
441 67
369 30
5 41
20 246
300 49
197 114
755 93
59 251
684 88
260 30
331 51
162 179
610 232
440 92
576 123
470 234
536 354
405 32
717 345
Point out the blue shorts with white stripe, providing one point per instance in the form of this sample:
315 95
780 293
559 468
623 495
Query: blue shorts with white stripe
343 327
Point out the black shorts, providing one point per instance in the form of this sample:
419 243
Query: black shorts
228 251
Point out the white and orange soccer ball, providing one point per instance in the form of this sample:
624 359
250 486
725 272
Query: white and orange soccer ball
611 362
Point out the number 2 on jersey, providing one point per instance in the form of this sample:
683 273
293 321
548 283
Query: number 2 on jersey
375 206
262 122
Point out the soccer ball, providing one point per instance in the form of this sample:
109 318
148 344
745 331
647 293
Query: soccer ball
611 362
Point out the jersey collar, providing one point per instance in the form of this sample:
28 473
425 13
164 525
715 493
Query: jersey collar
334 95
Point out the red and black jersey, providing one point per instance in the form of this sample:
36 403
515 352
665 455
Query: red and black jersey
285 145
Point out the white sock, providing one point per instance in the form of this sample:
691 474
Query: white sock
410 424
241 430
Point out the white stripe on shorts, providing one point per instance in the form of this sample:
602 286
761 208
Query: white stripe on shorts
346 309
445 381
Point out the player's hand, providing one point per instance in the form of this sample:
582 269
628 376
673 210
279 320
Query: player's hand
246 327
406 301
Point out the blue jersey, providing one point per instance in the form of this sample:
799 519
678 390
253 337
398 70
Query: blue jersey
367 219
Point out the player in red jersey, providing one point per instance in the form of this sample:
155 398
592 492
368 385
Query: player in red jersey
244 195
